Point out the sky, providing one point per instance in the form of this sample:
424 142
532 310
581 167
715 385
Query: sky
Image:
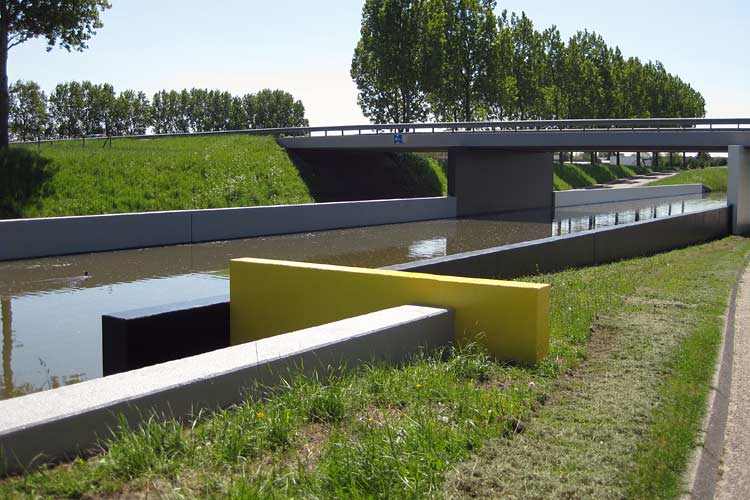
305 47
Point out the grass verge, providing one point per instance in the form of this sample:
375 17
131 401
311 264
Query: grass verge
130 175
611 413
714 178
580 175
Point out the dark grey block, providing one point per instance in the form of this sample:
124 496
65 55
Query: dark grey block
145 337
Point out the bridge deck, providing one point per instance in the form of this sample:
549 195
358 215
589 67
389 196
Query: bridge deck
709 140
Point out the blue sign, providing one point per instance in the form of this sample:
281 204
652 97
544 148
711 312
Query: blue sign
398 138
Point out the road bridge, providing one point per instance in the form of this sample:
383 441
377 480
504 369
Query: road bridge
496 166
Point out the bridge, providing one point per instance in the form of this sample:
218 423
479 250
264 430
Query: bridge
497 166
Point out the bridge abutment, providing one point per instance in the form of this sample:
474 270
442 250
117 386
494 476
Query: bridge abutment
738 190
485 181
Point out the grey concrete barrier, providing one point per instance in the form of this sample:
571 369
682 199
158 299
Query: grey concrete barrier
43 237
581 249
59 423
232 223
576 197
26 238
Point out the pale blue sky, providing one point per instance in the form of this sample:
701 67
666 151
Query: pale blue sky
305 47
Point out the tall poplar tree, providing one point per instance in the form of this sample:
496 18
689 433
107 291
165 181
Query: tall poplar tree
467 36
389 61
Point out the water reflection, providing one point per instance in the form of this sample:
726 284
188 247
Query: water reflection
52 308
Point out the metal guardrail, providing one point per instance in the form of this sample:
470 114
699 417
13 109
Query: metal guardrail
670 124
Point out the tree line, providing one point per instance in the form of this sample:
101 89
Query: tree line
457 60
77 109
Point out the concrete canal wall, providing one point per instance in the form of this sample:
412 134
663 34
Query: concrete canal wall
576 197
581 249
28 238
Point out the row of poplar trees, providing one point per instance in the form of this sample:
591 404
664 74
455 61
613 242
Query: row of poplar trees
77 109
457 60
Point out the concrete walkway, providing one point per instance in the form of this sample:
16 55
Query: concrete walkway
635 181
734 470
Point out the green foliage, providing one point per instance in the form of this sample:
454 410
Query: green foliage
714 179
463 38
28 111
390 59
471 65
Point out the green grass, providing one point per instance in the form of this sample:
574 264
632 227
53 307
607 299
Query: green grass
611 413
624 422
714 178
67 178
576 176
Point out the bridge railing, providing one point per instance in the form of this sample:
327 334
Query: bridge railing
658 124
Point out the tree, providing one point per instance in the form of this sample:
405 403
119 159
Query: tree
28 111
466 33
277 109
69 24
528 66
389 61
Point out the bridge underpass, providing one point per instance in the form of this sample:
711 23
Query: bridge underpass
499 166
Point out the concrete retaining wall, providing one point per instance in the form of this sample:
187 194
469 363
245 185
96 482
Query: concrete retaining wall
575 197
581 249
59 423
28 238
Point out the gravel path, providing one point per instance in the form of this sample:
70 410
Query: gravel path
735 467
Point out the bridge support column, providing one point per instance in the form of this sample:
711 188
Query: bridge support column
485 181
738 191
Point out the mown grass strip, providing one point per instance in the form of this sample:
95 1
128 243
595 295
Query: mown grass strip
624 422
609 414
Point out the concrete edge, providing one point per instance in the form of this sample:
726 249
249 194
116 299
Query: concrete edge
48 236
700 479
594 247
57 424
576 197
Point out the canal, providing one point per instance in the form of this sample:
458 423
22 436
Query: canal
51 308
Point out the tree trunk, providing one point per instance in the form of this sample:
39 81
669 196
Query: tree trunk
4 96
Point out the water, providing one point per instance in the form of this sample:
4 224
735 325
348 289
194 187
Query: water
51 308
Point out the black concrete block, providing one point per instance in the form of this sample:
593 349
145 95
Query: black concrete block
144 337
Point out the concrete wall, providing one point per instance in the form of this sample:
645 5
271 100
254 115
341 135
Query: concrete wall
581 249
575 197
738 195
485 181
61 422
268 297
27 238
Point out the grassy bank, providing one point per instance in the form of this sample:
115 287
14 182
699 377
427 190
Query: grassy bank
575 175
714 178
611 413
67 178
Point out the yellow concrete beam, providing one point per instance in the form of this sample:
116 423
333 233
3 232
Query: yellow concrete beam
270 297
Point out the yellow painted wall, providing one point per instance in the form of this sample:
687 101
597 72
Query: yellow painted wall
269 297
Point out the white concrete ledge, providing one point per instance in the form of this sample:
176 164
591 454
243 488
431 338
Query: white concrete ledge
59 423
574 197
42 237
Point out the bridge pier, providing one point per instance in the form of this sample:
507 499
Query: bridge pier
738 191
485 181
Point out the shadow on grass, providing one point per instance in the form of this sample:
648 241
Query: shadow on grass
357 175
23 178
